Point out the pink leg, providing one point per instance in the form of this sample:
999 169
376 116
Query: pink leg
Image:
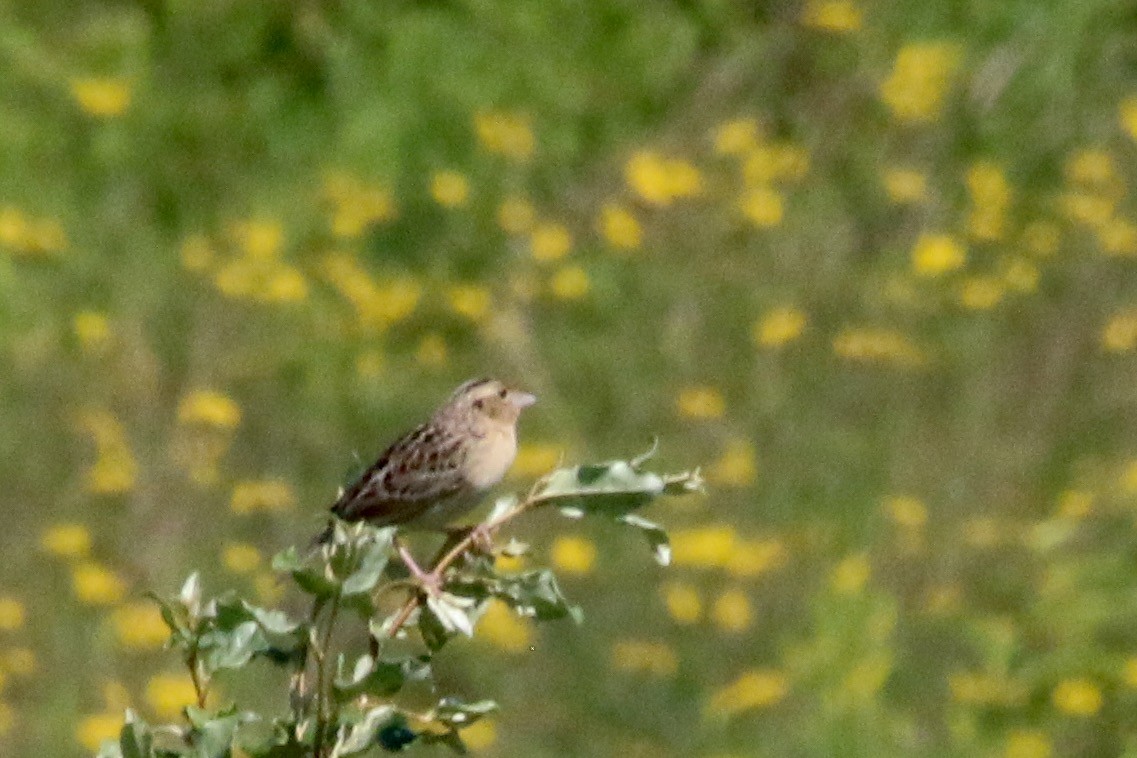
430 582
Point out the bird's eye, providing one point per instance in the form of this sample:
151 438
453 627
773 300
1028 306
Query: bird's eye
502 393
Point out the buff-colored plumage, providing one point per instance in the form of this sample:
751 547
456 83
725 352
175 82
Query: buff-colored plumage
434 473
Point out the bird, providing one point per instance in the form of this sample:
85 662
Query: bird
434 473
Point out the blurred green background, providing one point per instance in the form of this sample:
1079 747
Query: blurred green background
870 264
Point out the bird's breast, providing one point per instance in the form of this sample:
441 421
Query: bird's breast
490 457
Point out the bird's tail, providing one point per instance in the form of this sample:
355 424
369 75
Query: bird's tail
325 536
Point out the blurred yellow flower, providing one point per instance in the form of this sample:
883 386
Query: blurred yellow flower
432 351
101 97
1118 237
980 293
1089 208
378 305
1042 238
732 611
269 495
470 301
919 81
95 584
779 326
515 215
506 134
982 532
762 207
535 459
369 364
258 239
355 205
268 587
1028 743
504 629
736 467
67 540
735 137
1075 504
139 626
700 402
208 408
13 227
168 694
753 690
1127 113
114 472
569 283
751 558
643 656
92 329
943 599
20 661
682 602
480 735
871 345
1129 478
906 511
659 180
573 555
450 189
196 253
1129 672
851 575
905 186
703 547
95 728
619 227
12 614
867 676
240 557
1077 697
1120 332
549 241
767 163
990 201
1020 275
839 16
981 688
936 254
1093 167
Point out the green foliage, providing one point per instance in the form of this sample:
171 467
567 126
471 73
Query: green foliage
341 710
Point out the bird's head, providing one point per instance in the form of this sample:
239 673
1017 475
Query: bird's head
490 399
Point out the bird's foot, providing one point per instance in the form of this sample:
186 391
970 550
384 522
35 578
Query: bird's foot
480 536
431 582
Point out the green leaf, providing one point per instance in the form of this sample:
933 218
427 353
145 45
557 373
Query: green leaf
190 595
535 594
364 734
380 678
656 536
453 612
212 732
231 648
311 578
612 488
458 714
370 562
135 739
278 741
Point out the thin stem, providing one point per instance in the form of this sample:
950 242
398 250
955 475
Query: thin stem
200 687
323 687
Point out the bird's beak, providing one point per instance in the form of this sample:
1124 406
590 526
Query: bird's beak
522 399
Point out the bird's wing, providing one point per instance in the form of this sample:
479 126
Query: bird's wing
420 469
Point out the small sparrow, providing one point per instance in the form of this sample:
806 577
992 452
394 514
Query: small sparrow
435 473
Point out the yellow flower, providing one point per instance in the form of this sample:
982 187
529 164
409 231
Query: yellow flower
471 301
101 97
570 283
261 240
619 227
13 228
1118 237
1042 238
19 661
736 137
919 81
906 511
878 346
480 736
369 364
700 402
535 459
1120 332
762 207
1028 743
779 326
772 162
990 198
979 688
139 626
703 547
732 611
95 728
450 189
643 656
980 293
114 471
507 134
355 205
1020 275
1088 208
269 495
432 351
753 690
515 215
736 467
208 408
682 601
502 628
12 614
751 558
1129 672
851 575
840 16
574 555
659 180
1077 697
94 584
549 241
66 541
168 694
936 254
905 186
1075 504
92 329
240 557
865 679
268 587
1127 112
1093 167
